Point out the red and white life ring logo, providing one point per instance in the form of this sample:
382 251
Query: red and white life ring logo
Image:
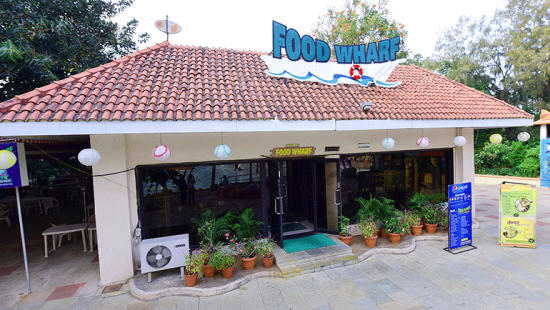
356 72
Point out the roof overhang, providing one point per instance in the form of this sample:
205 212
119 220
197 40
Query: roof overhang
149 126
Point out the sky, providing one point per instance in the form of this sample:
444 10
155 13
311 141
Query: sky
247 24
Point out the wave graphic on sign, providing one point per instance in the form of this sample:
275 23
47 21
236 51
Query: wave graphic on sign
331 73
364 80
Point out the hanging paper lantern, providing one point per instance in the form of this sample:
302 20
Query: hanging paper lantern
222 151
161 152
7 159
388 143
459 140
495 138
89 157
523 136
423 142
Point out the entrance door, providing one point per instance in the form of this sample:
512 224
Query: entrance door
328 195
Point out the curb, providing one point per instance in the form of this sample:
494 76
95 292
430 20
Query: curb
405 250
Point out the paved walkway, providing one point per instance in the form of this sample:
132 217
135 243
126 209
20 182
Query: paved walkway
490 277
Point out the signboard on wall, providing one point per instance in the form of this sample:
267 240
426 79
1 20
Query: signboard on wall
16 175
460 215
545 162
518 215
292 150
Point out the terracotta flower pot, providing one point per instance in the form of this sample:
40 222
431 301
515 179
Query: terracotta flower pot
417 230
249 263
430 228
191 279
346 240
208 270
227 272
371 241
268 262
395 238
383 233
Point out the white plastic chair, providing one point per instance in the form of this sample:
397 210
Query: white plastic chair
5 214
50 203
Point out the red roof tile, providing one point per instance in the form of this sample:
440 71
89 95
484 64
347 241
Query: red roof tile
168 82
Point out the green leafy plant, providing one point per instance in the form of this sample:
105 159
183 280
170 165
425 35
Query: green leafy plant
211 230
265 247
222 259
345 229
193 262
368 227
411 218
245 248
376 208
245 225
393 225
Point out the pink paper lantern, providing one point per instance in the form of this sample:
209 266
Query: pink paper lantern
423 142
161 152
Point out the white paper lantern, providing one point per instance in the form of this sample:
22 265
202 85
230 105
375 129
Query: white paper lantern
7 159
89 157
459 140
523 136
161 152
388 143
495 138
222 151
423 142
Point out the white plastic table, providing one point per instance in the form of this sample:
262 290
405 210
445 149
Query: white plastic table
91 230
63 229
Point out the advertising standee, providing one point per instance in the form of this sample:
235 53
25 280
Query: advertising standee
460 217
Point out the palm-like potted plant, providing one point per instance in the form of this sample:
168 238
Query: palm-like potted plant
345 230
265 248
222 259
369 228
193 265
211 230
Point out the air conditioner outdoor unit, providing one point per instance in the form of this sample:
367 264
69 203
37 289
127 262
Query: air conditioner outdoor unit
164 253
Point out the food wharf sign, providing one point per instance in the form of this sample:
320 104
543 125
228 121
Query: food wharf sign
307 59
292 150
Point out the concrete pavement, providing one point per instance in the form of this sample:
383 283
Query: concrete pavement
490 277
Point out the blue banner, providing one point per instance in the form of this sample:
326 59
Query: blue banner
11 177
460 215
545 162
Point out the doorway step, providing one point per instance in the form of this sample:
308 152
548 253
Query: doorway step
314 260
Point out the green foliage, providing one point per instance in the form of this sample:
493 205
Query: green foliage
411 218
368 227
222 259
211 230
43 40
530 166
344 226
265 247
393 225
193 262
376 208
494 156
358 22
245 226
245 248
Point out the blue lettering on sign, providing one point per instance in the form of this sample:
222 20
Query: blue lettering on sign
310 50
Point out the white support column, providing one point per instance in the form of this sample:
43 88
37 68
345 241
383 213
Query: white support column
465 163
112 210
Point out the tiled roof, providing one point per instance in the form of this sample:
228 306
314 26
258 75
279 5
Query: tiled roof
544 118
169 82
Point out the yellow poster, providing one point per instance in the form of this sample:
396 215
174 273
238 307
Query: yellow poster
518 215
518 200
517 232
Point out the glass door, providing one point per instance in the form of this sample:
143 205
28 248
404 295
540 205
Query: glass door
328 195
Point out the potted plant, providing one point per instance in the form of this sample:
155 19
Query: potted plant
412 223
379 209
211 229
246 250
345 230
193 265
432 217
369 228
265 248
245 226
204 254
222 259
394 228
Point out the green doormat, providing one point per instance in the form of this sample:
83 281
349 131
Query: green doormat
307 243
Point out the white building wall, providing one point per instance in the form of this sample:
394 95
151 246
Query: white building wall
112 209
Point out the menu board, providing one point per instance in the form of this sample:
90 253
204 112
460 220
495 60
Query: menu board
518 215
460 215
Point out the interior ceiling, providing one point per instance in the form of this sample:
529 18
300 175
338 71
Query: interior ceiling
55 146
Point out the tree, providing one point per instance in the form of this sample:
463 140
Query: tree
358 23
506 56
44 40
